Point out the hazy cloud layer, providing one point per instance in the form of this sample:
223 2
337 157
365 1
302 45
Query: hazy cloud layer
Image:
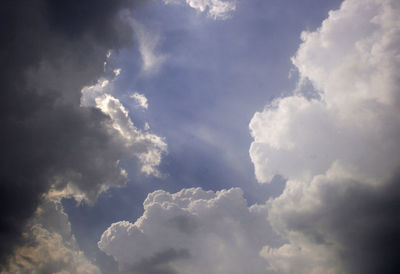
49 51
192 231
340 150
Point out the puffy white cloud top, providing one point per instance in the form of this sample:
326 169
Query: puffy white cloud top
140 99
353 62
217 9
192 231
340 149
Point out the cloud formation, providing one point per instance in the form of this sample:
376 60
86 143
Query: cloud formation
146 147
50 248
148 42
140 99
339 149
50 50
192 231
217 9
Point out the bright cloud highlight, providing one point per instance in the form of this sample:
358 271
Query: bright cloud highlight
339 151
147 147
140 99
192 231
216 9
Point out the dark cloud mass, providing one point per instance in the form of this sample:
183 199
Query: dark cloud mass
366 222
49 51
360 223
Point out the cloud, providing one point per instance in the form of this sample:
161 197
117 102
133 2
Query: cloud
146 147
49 141
148 42
192 231
50 247
217 9
336 225
140 99
339 150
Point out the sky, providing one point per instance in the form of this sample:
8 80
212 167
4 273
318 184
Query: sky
200 136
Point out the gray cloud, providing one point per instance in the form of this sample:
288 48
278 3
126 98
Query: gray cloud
50 247
49 51
350 227
158 263
363 226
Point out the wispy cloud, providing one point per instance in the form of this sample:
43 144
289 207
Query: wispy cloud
148 41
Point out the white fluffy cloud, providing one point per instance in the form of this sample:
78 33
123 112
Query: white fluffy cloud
339 151
217 9
353 60
50 247
140 99
343 141
192 231
145 146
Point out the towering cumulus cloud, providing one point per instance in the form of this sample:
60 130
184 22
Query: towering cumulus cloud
339 149
50 50
192 231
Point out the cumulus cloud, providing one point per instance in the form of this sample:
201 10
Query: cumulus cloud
51 247
217 9
192 231
147 147
336 225
340 149
140 99
50 142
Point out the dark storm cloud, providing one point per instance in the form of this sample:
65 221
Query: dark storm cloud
360 223
49 51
